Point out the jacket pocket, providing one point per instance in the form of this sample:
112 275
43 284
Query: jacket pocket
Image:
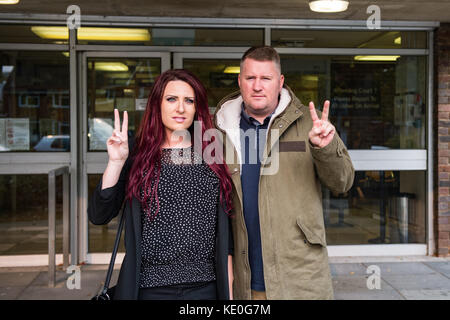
310 236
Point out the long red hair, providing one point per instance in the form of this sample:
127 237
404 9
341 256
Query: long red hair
151 136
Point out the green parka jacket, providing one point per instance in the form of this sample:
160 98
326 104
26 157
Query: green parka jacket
293 238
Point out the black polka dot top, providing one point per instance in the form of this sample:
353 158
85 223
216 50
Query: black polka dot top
178 244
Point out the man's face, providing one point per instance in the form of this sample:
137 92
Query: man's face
260 83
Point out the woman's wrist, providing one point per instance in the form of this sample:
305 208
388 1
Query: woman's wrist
116 163
112 173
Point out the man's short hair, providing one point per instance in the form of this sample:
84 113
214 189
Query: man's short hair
262 53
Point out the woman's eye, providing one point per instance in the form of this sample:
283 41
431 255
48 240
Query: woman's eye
190 101
171 99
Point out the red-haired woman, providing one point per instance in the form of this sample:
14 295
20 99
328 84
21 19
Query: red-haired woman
177 207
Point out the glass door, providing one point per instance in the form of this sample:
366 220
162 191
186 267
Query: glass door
34 139
110 80
378 109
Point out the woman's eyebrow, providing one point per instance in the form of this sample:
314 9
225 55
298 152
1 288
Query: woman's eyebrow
175 95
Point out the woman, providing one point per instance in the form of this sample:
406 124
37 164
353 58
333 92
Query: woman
177 236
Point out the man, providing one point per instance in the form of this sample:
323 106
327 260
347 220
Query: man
278 228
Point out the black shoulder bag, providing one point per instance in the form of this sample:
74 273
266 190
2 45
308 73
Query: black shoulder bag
108 293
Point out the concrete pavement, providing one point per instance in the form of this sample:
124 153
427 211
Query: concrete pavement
401 278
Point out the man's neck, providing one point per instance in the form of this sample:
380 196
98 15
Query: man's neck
259 117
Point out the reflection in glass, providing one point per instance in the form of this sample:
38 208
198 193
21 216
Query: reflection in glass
381 207
117 83
374 104
219 76
93 33
34 101
24 214
24 34
349 39
101 238
134 36
183 37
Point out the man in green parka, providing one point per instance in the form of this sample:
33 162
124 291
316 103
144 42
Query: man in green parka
284 152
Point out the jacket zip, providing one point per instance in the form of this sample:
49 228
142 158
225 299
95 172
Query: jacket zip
259 190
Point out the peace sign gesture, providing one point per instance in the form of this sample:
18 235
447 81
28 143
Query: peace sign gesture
322 131
117 144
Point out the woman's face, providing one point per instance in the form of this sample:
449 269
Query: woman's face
177 107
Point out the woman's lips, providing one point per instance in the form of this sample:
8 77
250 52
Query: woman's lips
179 119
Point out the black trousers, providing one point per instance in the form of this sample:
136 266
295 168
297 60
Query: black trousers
188 291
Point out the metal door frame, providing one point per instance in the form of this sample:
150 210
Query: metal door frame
95 162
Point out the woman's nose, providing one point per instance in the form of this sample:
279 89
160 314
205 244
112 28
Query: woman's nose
180 107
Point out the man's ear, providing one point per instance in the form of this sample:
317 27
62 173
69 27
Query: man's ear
239 80
281 81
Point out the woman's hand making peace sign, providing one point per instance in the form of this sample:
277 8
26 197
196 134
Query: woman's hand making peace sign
322 131
117 144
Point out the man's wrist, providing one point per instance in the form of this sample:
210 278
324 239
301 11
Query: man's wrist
313 145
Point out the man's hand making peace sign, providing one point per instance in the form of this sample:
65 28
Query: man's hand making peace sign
322 131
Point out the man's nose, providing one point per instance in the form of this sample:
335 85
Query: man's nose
257 85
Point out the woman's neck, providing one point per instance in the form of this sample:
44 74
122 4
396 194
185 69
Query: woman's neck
184 143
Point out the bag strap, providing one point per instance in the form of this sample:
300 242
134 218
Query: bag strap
114 253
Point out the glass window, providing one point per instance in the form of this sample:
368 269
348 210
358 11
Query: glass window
102 237
33 34
34 101
219 76
285 38
24 214
381 207
375 103
122 83
171 36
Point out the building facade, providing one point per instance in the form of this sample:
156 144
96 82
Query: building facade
442 138
390 102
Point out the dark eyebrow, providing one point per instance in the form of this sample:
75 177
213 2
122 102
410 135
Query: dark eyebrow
175 96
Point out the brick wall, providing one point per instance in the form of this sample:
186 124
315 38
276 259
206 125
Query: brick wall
442 140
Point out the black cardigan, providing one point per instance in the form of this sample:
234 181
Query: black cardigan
105 204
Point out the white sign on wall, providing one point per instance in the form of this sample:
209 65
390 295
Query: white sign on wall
14 134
